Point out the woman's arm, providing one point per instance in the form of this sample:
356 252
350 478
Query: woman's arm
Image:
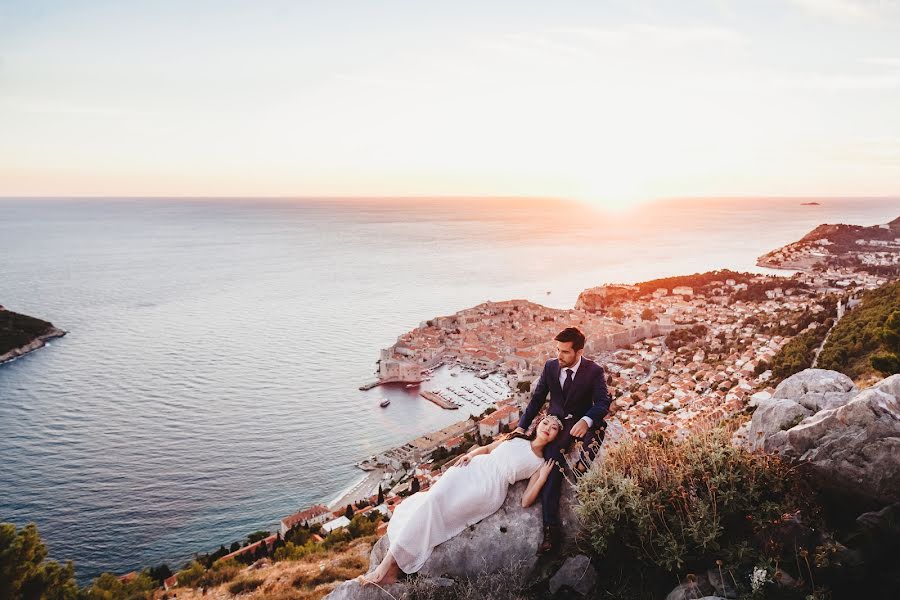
537 482
465 458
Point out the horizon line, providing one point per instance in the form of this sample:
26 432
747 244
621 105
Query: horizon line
436 197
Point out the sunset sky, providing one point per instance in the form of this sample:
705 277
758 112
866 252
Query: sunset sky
606 101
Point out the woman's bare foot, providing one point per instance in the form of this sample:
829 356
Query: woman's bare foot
386 574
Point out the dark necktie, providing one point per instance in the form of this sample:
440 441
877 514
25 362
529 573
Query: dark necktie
568 383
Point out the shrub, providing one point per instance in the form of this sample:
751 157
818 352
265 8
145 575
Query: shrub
191 575
673 505
244 585
221 572
109 587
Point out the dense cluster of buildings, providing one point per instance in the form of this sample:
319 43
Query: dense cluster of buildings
515 336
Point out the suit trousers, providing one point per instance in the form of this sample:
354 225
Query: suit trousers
554 450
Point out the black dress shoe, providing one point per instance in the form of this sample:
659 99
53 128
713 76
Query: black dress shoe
551 539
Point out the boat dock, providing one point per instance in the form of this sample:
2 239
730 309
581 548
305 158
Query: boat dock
439 400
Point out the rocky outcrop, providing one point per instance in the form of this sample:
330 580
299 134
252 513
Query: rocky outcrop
35 344
577 574
591 299
850 439
855 447
817 389
796 398
505 542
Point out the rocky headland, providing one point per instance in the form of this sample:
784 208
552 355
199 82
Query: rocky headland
875 249
21 334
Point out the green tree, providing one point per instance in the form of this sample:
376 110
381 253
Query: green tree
380 496
415 485
278 543
160 573
349 512
110 587
262 550
24 572
648 315
256 536
888 361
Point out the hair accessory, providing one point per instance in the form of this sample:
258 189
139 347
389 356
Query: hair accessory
553 419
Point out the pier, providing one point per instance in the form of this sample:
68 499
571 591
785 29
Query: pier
439 400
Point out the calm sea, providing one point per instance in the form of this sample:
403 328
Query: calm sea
208 386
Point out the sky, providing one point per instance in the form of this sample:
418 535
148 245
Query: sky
611 101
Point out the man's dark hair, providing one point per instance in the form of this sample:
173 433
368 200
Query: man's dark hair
571 334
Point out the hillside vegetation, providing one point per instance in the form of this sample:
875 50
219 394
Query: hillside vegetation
858 336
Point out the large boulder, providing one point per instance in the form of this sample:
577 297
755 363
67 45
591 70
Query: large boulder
576 574
817 389
799 396
505 542
855 447
772 416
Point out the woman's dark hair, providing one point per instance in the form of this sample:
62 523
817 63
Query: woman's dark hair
525 436
571 334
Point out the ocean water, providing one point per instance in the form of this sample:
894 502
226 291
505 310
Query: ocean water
208 385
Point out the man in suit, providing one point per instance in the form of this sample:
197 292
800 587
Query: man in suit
579 398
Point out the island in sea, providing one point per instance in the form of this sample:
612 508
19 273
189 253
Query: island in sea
682 354
21 334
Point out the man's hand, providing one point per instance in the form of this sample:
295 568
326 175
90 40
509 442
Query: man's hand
579 429
518 430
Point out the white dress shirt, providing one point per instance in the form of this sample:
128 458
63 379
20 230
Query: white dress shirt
562 381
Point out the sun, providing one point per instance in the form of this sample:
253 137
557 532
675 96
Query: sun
614 192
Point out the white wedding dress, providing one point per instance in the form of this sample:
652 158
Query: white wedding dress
461 497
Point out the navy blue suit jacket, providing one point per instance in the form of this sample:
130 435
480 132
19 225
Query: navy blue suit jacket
588 396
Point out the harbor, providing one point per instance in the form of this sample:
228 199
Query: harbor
450 387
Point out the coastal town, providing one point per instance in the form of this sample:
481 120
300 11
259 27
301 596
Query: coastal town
679 353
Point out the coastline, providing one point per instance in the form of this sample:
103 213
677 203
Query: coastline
354 482
358 490
36 344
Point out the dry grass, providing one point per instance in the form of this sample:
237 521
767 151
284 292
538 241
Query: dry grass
310 578
509 584
245 585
